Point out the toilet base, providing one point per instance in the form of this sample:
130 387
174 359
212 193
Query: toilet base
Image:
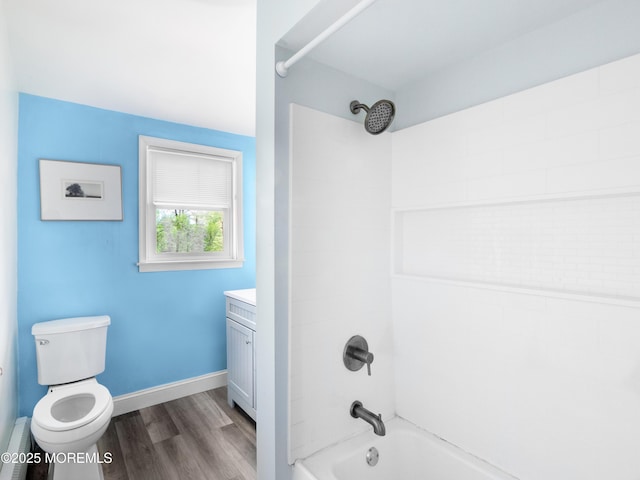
85 466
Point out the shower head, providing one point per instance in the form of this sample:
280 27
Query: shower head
379 116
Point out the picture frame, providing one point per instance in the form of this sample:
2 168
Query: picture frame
80 191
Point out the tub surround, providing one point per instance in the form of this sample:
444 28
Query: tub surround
340 243
533 340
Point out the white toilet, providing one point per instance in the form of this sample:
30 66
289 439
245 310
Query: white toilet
68 421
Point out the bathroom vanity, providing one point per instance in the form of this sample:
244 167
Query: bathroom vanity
241 363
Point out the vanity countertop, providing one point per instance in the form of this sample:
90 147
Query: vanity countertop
248 295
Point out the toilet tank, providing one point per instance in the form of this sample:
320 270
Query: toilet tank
70 349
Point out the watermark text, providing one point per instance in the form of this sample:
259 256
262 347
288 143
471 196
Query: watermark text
59 457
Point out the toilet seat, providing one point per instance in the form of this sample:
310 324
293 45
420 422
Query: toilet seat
47 409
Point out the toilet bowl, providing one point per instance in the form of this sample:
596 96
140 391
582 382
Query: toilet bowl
69 420
72 417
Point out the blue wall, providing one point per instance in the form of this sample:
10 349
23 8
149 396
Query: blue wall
165 326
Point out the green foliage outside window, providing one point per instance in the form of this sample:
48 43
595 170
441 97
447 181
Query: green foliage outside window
189 231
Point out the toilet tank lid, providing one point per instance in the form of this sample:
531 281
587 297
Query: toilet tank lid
70 325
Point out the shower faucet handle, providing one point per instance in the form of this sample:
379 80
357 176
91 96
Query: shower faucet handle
362 355
356 354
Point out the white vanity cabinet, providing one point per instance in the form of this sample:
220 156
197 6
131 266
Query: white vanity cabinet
241 363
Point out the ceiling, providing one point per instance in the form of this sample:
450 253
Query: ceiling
193 61
394 43
187 61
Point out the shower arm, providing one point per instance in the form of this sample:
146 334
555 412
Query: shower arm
356 106
282 67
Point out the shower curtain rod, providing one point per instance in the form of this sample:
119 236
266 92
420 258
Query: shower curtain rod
282 67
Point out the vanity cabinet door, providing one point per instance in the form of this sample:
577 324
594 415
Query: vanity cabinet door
240 362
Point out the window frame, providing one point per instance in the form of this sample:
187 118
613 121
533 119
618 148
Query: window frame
151 261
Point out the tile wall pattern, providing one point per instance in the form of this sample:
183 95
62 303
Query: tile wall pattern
538 190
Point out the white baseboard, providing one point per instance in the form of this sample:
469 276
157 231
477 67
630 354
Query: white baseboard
167 392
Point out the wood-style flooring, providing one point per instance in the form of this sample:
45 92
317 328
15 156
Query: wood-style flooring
193 438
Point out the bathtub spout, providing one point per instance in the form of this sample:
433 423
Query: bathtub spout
358 411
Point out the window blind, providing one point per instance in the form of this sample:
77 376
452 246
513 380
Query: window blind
190 179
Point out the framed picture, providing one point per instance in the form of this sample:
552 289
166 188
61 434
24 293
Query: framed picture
80 191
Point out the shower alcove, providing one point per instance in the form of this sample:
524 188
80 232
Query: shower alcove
486 246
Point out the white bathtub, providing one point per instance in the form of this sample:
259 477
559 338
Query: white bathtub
405 453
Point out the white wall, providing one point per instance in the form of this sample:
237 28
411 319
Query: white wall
522 346
274 19
8 239
339 264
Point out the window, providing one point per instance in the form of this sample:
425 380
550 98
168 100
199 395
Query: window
190 206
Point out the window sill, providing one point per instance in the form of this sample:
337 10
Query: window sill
177 265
